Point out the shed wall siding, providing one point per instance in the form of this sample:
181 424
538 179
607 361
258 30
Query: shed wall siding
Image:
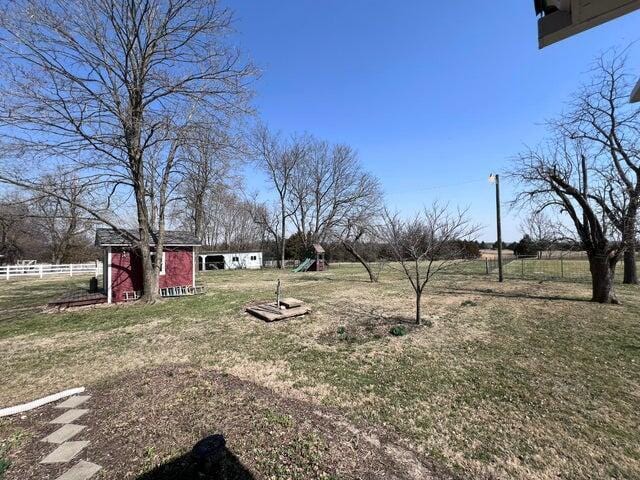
126 270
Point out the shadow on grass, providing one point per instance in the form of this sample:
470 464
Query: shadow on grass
187 467
492 293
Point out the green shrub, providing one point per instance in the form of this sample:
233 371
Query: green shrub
341 330
398 331
4 466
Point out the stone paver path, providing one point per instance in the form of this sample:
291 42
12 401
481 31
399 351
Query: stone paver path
80 471
74 402
67 450
64 433
69 416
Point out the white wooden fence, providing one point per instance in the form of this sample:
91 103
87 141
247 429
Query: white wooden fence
42 270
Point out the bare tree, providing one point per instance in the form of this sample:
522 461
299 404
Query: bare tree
548 234
109 90
558 176
357 236
427 244
15 227
267 218
600 116
357 227
209 174
278 159
330 191
63 224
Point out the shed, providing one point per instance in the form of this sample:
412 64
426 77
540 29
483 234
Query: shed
122 263
229 260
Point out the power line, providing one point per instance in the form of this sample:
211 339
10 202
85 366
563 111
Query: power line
426 189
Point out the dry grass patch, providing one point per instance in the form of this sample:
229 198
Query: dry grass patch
521 380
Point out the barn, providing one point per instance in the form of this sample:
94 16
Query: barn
122 264
230 260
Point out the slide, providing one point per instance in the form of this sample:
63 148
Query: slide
304 266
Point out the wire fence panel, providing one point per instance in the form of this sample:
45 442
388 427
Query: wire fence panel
571 268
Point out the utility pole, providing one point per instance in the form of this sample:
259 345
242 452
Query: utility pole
495 178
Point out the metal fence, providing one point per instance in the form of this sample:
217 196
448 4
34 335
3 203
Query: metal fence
571 268
274 263
8 272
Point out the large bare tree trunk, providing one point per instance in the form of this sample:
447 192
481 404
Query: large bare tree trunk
149 274
630 276
602 276
418 302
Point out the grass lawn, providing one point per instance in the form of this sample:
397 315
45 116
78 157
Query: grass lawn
524 380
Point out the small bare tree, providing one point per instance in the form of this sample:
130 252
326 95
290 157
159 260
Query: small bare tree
427 244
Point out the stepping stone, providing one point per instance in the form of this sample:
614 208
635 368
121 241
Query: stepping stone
80 471
64 433
291 302
73 402
65 452
69 416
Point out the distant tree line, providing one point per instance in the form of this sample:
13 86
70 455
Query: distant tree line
43 229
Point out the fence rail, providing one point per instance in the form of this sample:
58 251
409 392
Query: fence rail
8 272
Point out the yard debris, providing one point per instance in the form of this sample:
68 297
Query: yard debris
282 308
270 311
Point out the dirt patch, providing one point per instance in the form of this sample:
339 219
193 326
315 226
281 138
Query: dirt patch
359 329
142 426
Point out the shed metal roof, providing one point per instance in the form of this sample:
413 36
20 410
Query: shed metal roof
106 237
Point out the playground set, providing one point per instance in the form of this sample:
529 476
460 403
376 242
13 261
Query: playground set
311 264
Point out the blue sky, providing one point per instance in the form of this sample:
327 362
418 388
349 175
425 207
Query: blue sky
433 95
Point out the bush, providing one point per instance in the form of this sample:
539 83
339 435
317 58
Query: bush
341 330
398 331
4 466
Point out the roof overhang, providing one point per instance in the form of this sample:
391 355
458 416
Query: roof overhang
635 95
571 17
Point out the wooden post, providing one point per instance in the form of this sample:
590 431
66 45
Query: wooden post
522 267
41 271
278 294
8 270
561 268
71 269
486 265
